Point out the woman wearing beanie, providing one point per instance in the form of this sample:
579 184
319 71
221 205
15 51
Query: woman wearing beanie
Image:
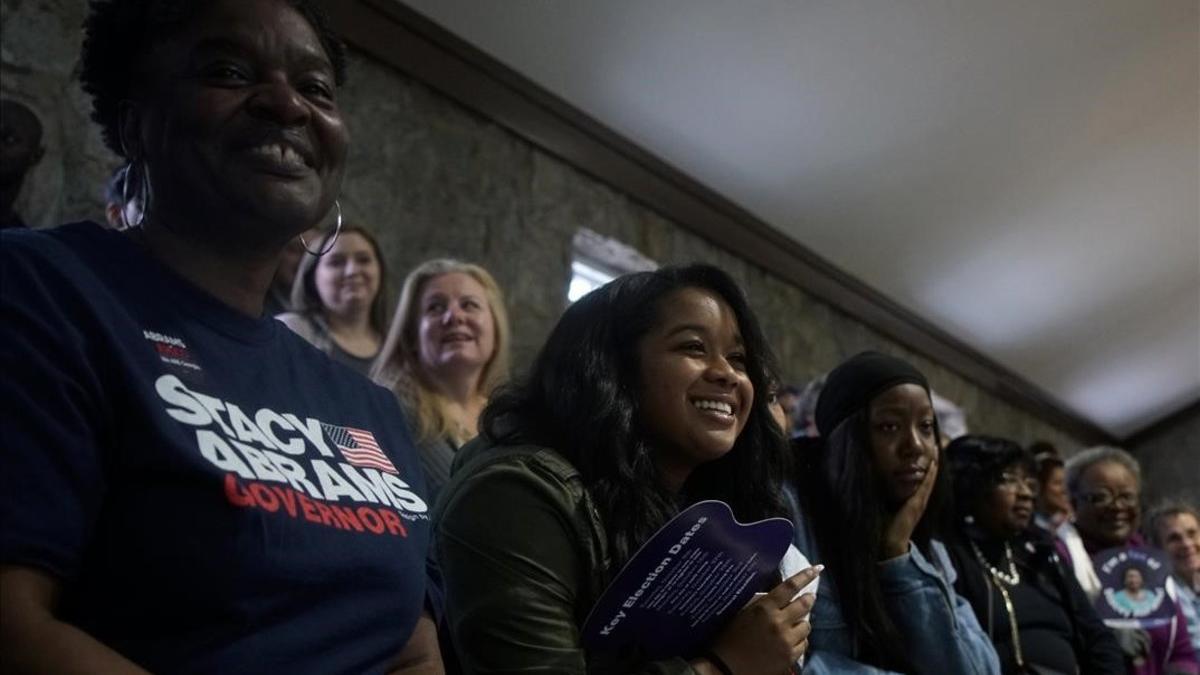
872 494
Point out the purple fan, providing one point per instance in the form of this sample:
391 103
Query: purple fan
1133 588
685 583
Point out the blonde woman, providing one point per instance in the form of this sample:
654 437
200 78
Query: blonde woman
338 298
446 351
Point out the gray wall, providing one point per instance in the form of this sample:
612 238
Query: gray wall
1170 457
433 179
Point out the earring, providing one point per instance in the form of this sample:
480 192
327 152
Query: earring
135 166
143 191
125 171
337 230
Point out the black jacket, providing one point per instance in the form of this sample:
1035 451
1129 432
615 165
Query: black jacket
1096 650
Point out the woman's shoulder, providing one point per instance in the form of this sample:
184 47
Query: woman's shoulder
482 457
481 466
296 321
308 327
66 250
935 560
532 485
400 381
939 553
83 232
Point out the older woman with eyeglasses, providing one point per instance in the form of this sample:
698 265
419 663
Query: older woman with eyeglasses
1028 602
1105 487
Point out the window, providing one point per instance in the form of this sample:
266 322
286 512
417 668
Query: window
597 260
585 279
952 420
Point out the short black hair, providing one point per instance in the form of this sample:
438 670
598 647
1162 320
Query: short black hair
976 462
118 33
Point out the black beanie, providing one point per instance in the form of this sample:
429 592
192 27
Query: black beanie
851 386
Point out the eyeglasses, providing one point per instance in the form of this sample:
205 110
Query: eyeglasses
1015 481
1103 499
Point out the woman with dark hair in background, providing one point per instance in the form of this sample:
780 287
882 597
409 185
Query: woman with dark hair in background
1029 603
188 486
338 299
1052 506
871 495
642 401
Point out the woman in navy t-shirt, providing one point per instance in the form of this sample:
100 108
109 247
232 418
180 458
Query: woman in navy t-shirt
187 486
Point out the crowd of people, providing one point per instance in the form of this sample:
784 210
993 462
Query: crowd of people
221 456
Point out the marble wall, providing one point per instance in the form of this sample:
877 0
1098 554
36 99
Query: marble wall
1170 458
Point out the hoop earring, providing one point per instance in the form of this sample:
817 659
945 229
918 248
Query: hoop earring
143 191
337 231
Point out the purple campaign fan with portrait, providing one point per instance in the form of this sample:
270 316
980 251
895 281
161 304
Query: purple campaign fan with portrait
1133 588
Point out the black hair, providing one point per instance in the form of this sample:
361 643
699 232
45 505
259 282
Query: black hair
1046 466
976 463
581 398
1047 458
849 513
118 35
1043 448
1134 567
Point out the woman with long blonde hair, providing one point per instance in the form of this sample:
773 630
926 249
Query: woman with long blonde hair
446 351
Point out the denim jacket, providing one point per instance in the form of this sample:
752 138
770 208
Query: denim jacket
940 629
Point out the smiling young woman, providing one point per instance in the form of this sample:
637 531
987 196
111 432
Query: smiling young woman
338 299
694 411
641 402
183 477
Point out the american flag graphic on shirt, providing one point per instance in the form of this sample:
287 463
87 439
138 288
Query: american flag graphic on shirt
359 447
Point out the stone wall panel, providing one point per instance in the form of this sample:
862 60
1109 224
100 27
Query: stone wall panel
436 180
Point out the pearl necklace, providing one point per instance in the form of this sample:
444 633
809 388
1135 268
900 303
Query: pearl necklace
1012 578
1000 579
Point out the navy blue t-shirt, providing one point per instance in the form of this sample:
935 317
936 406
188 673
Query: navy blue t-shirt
214 494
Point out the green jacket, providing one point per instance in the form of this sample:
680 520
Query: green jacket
523 553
